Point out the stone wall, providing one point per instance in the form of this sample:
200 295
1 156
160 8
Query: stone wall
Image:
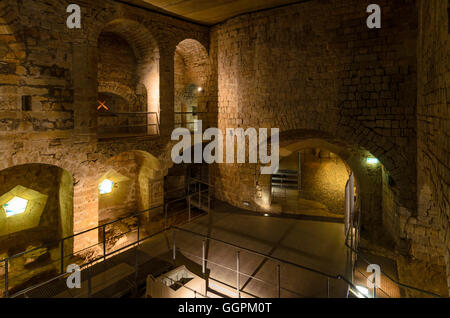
324 176
194 86
54 220
58 68
123 200
297 68
433 47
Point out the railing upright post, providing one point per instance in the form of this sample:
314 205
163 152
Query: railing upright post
104 242
62 256
375 290
279 280
328 287
209 198
138 229
136 268
165 215
89 282
238 283
199 195
204 257
189 208
174 247
6 278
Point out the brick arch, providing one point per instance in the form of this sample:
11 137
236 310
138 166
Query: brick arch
194 53
146 50
118 89
9 24
357 139
56 211
64 164
145 169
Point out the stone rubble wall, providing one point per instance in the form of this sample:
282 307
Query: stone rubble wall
431 226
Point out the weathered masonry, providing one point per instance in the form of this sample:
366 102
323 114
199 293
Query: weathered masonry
81 106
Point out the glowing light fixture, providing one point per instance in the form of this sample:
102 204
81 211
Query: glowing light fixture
105 186
15 206
362 290
372 161
200 89
265 214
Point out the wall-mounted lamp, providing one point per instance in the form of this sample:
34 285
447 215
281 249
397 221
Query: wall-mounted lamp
362 291
105 186
372 161
200 89
15 206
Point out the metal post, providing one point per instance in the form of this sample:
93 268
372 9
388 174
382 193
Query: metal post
165 215
189 208
328 287
174 247
209 198
279 280
238 283
89 281
62 256
136 268
104 242
375 290
6 278
204 257
138 229
199 195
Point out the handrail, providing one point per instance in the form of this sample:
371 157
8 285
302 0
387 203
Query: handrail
258 253
127 113
91 229
358 254
137 242
90 263
392 279
327 275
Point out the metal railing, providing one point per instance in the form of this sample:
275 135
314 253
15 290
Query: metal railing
140 237
238 272
187 119
128 123
352 244
148 220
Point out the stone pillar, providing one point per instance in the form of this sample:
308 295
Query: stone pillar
166 91
85 89
85 213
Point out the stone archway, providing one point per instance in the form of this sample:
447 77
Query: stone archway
41 215
192 83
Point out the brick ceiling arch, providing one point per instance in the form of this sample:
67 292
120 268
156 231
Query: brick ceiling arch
359 147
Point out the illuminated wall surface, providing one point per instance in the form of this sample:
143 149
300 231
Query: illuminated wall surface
375 98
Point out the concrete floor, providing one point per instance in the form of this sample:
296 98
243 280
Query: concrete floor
318 245
290 202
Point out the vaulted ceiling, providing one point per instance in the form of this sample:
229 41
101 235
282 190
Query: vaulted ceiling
210 11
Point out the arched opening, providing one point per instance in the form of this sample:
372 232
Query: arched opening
187 189
311 181
128 81
36 212
12 52
131 182
192 84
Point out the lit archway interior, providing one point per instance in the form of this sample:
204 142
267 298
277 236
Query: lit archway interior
191 72
36 212
128 80
311 181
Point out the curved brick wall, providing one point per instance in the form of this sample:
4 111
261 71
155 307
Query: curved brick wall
297 68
